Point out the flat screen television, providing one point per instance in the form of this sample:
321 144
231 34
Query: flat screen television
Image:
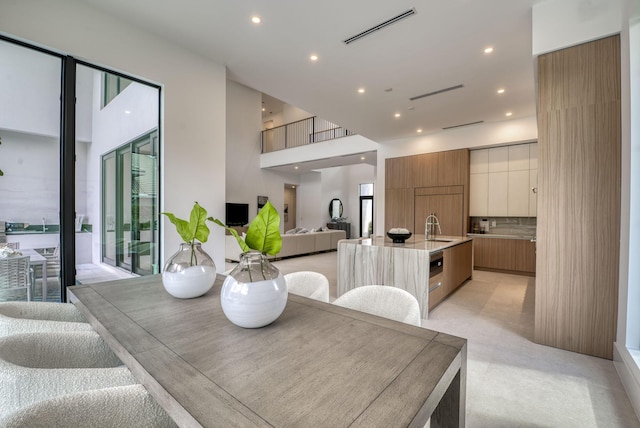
237 214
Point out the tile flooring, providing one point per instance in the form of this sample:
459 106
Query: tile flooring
511 381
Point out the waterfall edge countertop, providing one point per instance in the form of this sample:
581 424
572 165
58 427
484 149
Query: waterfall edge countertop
415 242
378 261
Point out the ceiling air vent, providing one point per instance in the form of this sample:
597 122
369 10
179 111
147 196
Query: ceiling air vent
464 124
417 97
380 26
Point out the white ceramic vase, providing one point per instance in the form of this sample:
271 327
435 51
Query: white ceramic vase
189 273
254 294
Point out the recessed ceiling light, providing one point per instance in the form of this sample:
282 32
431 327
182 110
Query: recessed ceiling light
362 157
361 90
264 109
397 115
313 57
295 167
256 19
293 187
127 112
419 130
508 113
488 50
501 91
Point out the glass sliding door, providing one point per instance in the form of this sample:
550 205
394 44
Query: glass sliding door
30 145
130 181
118 153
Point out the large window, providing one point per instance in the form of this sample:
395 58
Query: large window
130 214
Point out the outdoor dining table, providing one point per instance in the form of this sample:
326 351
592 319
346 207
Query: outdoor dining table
317 365
37 259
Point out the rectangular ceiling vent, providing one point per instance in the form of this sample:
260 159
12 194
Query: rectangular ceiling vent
417 97
464 124
380 26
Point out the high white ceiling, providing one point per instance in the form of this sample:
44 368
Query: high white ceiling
439 47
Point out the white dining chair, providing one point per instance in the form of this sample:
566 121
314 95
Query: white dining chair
122 406
382 300
308 284
34 317
39 366
15 274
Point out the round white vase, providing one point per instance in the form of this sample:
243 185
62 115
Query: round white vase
254 294
189 273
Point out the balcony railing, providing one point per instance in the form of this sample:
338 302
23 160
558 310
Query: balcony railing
300 133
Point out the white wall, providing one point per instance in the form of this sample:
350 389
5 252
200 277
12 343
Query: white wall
193 137
482 135
245 181
311 207
343 183
560 24
29 189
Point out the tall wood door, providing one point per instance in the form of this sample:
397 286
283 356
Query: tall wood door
448 207
579 197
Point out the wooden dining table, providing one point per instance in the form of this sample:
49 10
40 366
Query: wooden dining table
317 365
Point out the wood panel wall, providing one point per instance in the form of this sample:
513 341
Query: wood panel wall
406 176
578 197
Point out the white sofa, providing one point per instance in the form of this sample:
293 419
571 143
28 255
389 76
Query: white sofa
293 245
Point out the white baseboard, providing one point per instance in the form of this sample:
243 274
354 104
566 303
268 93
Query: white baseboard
629 373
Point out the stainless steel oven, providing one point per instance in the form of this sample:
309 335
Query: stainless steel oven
436 267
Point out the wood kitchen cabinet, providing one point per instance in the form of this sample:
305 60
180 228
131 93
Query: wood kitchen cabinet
507 255
457 268
447 203
405 204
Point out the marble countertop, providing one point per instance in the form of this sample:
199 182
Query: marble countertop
494 235
415 242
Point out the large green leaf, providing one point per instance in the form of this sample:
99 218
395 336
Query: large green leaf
182 227
197 223
243 245
195 228
264 231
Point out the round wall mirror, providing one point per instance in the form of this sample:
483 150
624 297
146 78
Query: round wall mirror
335 208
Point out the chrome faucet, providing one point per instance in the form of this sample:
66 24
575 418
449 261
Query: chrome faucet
44 227
430 227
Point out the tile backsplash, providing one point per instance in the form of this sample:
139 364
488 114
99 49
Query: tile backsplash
522 226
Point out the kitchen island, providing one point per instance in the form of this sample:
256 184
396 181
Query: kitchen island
378 261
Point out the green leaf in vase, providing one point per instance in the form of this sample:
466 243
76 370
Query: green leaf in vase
264 231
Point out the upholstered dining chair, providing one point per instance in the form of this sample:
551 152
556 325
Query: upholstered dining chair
34 317
15 274
122 406
308 284
382 300
40 366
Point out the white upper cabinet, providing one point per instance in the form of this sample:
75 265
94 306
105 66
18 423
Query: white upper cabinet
499 159
519 157
479 161
533 156
501 180
498 193
478 194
